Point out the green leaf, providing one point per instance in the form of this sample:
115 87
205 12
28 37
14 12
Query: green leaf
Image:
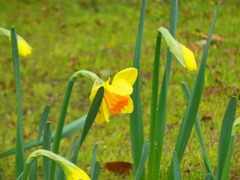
59 174
73 145
33 171
208 177
68 130
47 146
155 82
19 135
187 94
136 125
89 120
226 168
176 167
159 125
143 160
225 137
192 108
94 171
43 123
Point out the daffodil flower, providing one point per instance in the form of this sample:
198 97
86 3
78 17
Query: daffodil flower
71 171
116 94
24 48
184 55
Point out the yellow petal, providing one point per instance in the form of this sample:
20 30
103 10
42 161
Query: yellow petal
189 59
129 74
120 87
23 47
74 173
103 114
93 93
129 107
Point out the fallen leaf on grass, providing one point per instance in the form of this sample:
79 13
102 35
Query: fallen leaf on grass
214 38
119 167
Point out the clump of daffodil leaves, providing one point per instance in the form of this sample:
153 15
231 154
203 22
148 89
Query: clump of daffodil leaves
24 48
184 55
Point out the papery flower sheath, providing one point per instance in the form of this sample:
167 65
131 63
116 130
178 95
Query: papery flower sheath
116 94
184 55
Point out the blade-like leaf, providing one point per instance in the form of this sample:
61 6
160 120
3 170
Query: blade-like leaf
225 136
94 161
33 171
43 123
176 167
162 102
193 104
96 171
136 125
187 94
89 120
143 160
67 131
47 145
155 82
73 146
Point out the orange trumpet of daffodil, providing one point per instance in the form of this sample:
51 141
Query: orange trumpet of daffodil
116 94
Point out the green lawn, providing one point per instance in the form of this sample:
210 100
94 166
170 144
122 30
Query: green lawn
100 36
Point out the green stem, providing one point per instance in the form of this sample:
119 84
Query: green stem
19 135
155 81
63 112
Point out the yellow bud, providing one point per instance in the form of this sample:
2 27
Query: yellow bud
189 59
23 47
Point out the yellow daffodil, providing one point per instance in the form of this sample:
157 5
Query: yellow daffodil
116 94
184 55
24 48
71 171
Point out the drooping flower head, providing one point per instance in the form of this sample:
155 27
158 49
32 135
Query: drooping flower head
24 48
184 55
116 94
71 171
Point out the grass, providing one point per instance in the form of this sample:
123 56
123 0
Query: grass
100 36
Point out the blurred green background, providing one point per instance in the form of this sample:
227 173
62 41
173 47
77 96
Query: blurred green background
99 35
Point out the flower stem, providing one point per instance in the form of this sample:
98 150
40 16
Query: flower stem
63 112
19 135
